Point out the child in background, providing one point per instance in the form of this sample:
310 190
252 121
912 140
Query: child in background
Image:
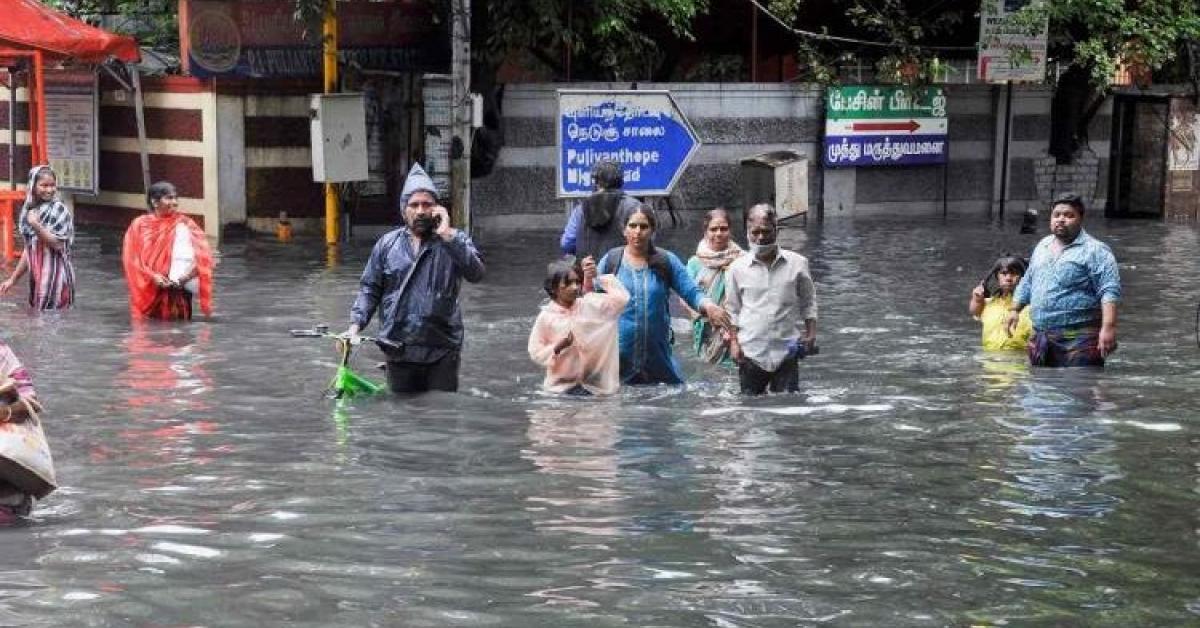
992 298
575 335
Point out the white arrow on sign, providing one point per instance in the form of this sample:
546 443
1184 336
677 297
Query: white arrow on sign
886 126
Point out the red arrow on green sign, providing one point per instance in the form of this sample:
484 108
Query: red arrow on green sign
911 126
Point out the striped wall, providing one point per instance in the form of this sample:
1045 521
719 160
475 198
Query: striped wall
733 121
22 140
237 152
278 162
740 120
175 128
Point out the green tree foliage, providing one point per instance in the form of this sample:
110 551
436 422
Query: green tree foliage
1098 35
608 39
1091 39
155 23
909 32
1094 35
1088 41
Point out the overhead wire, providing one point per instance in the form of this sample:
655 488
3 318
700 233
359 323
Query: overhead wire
848 40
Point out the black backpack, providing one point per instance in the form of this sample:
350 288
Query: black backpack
657 262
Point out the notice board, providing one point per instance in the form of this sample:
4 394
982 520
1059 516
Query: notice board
72 128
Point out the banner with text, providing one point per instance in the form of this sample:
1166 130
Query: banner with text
260 38
72 128
1011 48
644 131
873 125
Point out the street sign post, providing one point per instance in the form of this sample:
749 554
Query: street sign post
644 131
872 125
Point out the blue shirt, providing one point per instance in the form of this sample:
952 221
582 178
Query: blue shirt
416 293
568 242
570 233
645 325
1068 291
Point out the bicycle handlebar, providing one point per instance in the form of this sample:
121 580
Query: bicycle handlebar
321 331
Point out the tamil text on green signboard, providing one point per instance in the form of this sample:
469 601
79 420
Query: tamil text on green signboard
872 125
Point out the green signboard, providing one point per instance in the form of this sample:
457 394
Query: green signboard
877 125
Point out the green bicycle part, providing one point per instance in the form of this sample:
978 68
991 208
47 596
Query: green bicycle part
347 383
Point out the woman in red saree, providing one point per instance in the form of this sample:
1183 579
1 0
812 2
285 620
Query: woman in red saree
168 262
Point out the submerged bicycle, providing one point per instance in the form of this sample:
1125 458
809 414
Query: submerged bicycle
346 383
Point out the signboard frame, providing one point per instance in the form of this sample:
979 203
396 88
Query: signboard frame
437 97
60 96
861 122
260 39
560 189
995 62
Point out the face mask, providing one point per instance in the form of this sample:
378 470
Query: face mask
763 250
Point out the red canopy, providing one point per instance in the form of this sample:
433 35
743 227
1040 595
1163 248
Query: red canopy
30 24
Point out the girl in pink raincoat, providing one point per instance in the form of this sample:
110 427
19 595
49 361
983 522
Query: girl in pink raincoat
575 336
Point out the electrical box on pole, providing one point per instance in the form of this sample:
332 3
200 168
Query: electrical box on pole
339 137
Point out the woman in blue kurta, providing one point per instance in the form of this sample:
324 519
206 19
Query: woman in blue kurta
649 274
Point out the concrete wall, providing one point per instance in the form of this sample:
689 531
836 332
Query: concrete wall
182 141
279 164
237 151
740 120
239 154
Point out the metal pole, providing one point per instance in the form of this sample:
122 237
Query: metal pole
37 96
1004 153
6 218
329 57
12 129
460 94
753 43
946 186
139 112
571 35
820 156
1116 167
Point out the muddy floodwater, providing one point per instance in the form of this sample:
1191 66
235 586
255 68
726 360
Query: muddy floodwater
914 482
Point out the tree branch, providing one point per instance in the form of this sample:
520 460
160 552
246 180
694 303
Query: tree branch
545 58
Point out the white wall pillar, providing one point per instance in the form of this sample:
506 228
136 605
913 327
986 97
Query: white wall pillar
841 187
231 160
210 205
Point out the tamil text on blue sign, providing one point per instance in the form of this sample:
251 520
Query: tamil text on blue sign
644 131
870 125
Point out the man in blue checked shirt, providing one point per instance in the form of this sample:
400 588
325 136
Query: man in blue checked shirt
1073 287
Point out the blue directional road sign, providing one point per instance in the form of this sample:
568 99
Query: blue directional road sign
644 131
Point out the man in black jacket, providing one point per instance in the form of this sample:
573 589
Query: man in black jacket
413 278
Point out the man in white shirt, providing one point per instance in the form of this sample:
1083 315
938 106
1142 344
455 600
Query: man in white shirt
773 304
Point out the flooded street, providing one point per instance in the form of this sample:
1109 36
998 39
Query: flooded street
914 482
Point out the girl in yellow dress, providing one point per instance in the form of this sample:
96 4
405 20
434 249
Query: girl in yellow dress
990 301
